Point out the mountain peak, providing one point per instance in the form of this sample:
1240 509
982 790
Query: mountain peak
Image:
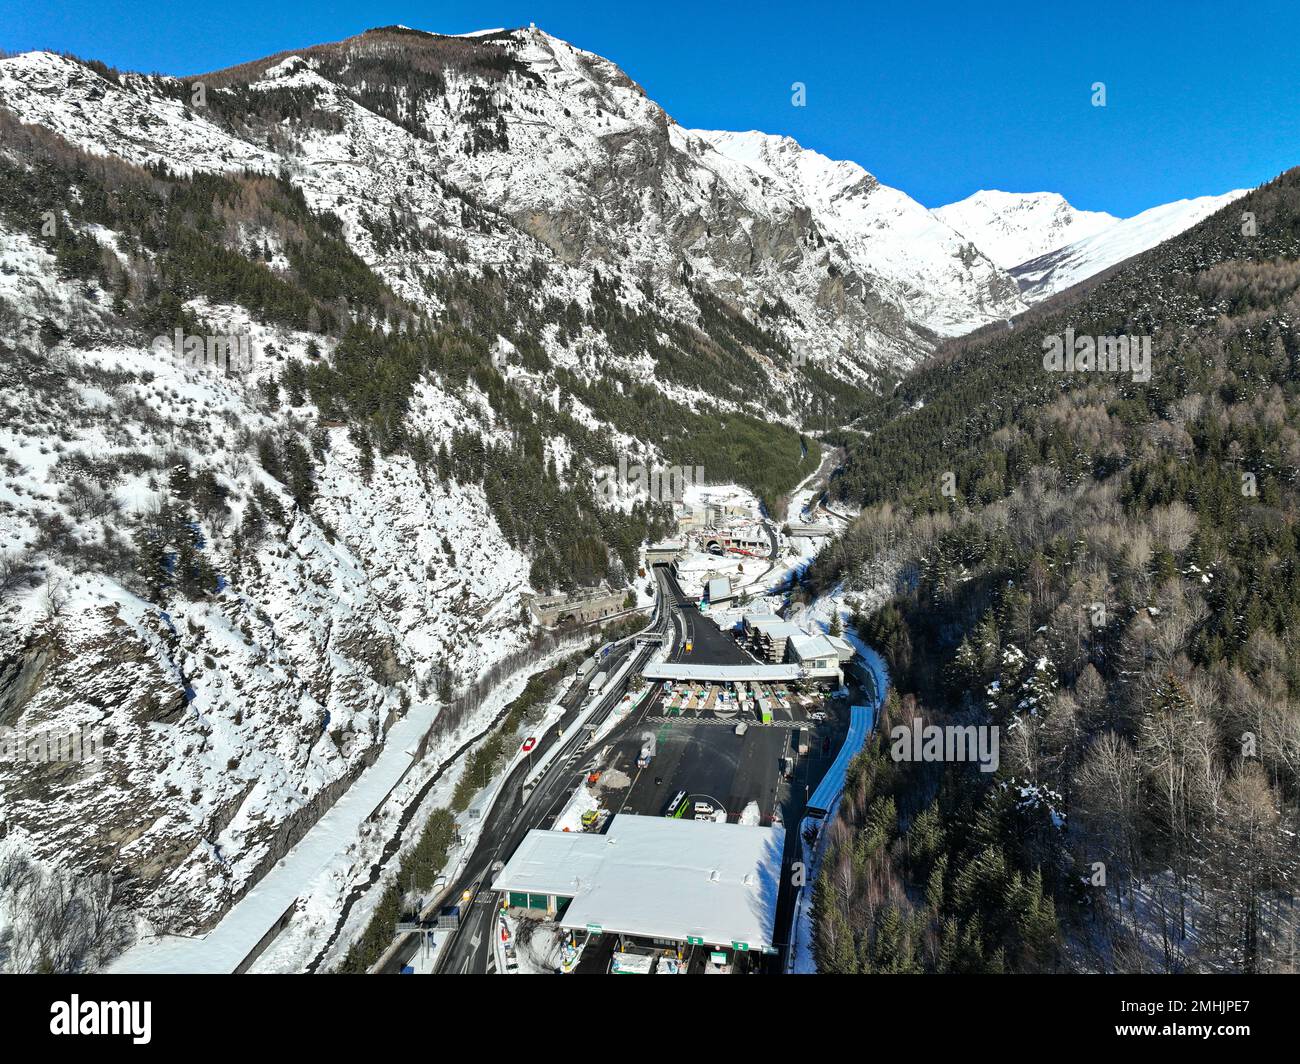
1014 227
1082 258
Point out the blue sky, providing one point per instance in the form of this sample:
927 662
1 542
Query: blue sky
937 99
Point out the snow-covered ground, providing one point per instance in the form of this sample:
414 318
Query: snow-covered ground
583 800
315 872
1057 270
239 931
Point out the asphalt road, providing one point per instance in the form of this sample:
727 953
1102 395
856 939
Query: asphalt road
739 771
706 760
711 645
512 816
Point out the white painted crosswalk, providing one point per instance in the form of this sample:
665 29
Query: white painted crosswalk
728 722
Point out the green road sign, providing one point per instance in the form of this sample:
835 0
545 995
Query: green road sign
694 940
595 929
743 947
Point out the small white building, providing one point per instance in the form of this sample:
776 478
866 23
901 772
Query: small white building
816 654
815 650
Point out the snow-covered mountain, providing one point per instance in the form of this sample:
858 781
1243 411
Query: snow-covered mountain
574 156
939 275
1064 266
1047 245
1014 227
472 271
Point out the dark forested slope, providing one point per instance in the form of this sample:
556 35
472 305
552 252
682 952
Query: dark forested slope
1106 570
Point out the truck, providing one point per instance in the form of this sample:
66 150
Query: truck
801 743
598 682
787 767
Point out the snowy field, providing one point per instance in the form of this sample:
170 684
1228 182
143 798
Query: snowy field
312 865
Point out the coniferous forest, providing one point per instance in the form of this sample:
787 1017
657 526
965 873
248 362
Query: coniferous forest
1108 571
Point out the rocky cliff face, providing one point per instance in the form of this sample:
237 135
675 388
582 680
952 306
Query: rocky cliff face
470 272
907 256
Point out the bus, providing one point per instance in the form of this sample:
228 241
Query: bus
677 807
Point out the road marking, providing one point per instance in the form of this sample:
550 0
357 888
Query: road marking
783 722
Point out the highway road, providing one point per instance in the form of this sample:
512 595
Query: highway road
677 620
513 815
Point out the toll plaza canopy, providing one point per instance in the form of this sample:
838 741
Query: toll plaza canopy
697 882
860 718
722 673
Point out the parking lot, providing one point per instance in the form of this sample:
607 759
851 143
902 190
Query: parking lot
697 751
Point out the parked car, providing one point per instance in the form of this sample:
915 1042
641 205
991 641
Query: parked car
529 743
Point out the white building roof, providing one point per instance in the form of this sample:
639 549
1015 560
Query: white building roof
657 877
719 589
720 673
843 647
807 647
772 626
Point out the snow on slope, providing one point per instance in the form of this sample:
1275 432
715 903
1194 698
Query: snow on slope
1057 270
1014 227
939 276
238 715
597 171
581 163
234 717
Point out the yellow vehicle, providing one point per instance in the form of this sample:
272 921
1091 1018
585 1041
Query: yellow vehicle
689 646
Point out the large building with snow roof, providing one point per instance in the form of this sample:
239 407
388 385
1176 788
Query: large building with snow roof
654 879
